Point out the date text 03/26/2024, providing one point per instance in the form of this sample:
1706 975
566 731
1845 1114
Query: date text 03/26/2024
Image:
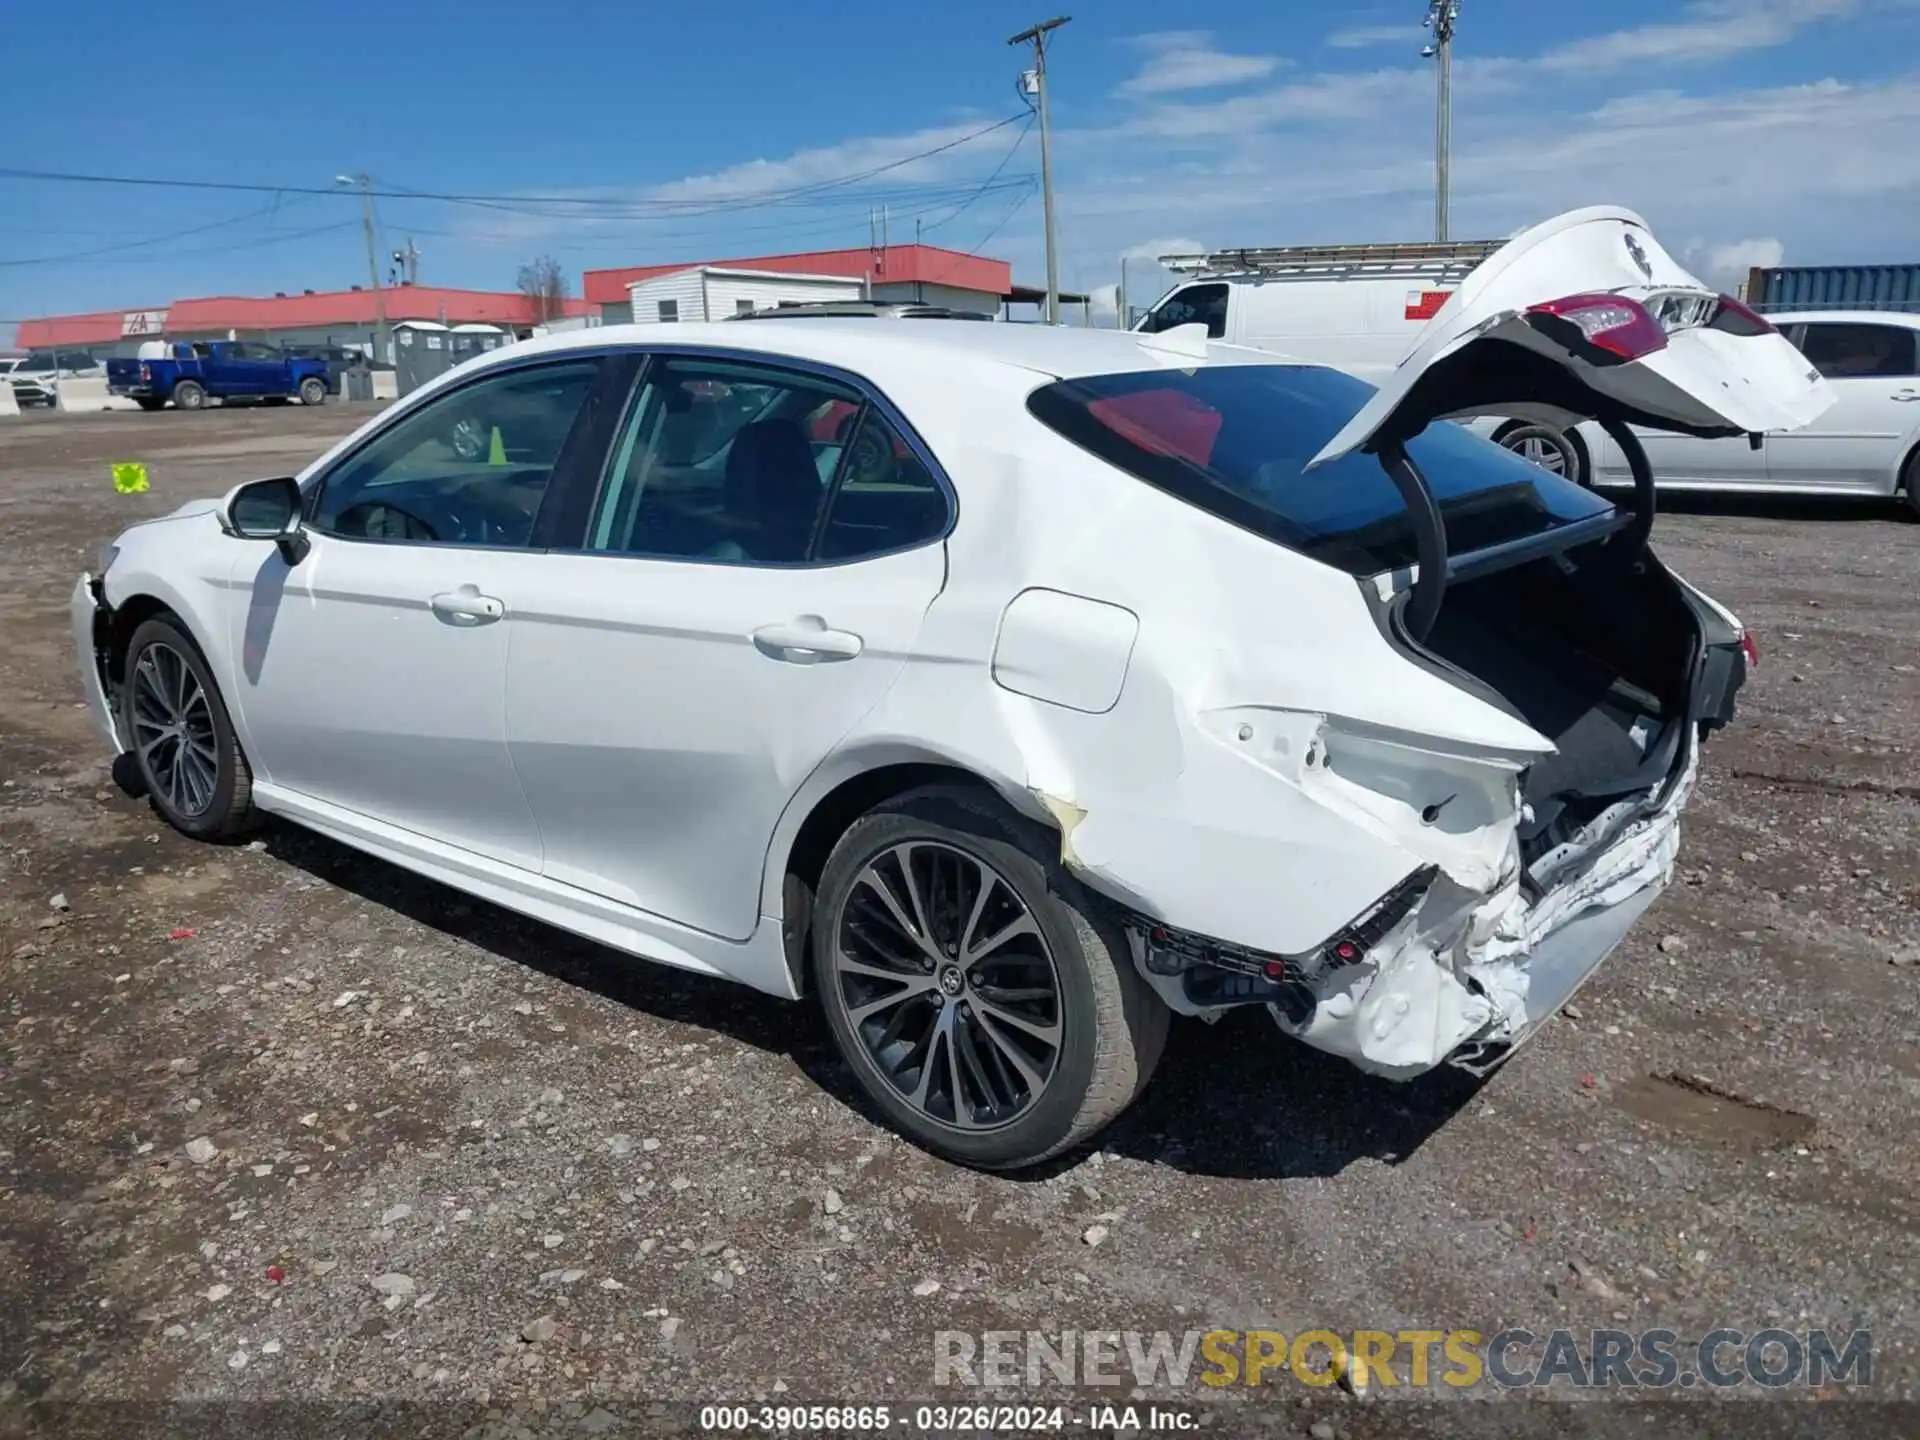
946 1419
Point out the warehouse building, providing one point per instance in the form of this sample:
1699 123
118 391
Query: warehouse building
714 289
345 318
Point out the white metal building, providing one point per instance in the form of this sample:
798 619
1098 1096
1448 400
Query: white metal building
712 292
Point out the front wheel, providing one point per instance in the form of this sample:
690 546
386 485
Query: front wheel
1910 485
984 1000
313 391
1553 450
182 738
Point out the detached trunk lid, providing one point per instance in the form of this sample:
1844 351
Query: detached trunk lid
1586 316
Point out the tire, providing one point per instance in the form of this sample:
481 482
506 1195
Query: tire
158 656
1910 485
1108 1026
313 391
190 395
150 403
1551 449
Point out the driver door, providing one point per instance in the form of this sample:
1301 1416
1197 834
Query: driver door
372 671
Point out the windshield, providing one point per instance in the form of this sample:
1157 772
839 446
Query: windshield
1234 440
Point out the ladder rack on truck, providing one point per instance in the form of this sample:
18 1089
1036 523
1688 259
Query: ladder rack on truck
1422 258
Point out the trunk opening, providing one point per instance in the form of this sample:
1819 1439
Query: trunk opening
1597 656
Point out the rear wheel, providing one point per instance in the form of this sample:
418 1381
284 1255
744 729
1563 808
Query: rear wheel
985 1002
1551 449
190 395
313 391
182 738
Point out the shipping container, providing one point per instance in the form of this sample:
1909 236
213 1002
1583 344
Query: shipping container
1835 287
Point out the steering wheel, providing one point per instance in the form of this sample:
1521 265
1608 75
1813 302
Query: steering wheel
419 519
870 457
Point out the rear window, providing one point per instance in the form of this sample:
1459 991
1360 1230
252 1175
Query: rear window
1234 440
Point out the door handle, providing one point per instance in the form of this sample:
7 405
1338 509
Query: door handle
806 641
467 606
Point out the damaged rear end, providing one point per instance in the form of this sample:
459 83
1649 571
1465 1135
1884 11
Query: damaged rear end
1528 849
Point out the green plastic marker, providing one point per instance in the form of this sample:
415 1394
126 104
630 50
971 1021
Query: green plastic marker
129 477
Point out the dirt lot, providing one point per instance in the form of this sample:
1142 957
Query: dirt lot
472 1163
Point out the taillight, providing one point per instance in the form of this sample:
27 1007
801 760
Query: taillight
1750 649
1620 328
145 374
1736 319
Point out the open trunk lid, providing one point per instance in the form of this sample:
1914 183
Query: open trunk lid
1586 316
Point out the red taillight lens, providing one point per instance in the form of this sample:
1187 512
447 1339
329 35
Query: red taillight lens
145 374
1612 323
1736 319
1749 649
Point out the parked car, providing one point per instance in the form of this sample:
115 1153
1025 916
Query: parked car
36 377
204 370
1126 675
1868 444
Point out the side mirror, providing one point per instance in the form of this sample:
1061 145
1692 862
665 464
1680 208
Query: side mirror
267 510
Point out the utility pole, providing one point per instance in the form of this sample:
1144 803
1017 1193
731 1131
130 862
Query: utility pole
364 183
1037 35
1442 15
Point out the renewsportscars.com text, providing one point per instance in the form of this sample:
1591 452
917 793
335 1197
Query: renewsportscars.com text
1515 1358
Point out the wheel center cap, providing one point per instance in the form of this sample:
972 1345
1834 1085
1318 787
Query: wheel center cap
952 982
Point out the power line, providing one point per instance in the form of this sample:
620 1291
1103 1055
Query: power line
139 244
988 185
572 203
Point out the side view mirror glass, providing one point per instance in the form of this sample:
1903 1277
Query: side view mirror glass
263 509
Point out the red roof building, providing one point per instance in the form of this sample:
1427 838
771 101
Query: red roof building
334 310
895 272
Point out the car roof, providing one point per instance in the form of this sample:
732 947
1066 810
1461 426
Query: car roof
1058 351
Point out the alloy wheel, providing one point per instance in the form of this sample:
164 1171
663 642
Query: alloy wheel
173 730
1547 456
949 985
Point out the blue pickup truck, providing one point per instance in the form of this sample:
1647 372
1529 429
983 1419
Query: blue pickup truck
194 373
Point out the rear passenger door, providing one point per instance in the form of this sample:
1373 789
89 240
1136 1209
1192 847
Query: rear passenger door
1860 442
748 582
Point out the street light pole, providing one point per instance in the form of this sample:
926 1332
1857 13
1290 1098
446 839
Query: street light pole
383 350
1037 35
1442 15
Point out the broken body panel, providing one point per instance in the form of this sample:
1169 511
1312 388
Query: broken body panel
1509 879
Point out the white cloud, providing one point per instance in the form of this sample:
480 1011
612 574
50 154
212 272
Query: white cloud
1726 265
1359 37
1187 60
1332 97
848 157
1714 30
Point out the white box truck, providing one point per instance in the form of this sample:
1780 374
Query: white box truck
1357 308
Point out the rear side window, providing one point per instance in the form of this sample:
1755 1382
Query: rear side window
1234 440
1850 351
1194 305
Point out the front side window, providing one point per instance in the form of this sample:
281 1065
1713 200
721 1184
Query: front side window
468 468
745 464
1234 440
1850 351
1194 305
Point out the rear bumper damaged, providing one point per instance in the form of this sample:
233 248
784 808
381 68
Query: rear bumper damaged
1440 971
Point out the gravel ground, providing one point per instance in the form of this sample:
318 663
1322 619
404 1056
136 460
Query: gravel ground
278 1122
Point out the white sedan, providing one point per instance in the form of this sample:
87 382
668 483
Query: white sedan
1867 444
1009 688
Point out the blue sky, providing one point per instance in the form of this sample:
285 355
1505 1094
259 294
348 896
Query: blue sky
1746 130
